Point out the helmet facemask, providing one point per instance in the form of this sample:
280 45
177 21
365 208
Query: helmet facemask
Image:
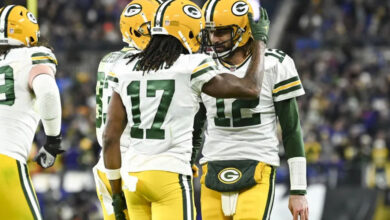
235 38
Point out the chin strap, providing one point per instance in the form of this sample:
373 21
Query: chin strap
228 52
185 42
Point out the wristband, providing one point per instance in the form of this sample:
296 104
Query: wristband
113 174
297 166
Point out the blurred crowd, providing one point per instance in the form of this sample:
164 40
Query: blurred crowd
340 48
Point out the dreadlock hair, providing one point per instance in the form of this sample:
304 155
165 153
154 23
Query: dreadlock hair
162 49
4 49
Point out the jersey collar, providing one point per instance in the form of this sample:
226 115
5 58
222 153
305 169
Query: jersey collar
232 67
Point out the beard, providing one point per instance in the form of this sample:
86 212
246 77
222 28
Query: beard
222 46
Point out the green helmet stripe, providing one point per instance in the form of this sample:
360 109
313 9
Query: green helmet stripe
209 14
4 21
160 13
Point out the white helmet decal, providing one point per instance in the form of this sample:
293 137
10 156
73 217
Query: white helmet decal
132 10
240 8
32 18
192 11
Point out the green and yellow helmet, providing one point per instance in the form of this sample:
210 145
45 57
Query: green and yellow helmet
135 22
222 14
18 26
181 19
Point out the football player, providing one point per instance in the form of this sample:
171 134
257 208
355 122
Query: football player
157 92
28 93
241 144
134 25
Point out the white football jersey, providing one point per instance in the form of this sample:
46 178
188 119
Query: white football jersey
18 117
160 110
103 95
239 129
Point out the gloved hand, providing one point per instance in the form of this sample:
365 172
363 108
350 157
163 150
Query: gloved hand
119 204
47 154
261 27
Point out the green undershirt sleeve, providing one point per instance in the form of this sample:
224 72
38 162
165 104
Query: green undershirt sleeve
288 114
199 124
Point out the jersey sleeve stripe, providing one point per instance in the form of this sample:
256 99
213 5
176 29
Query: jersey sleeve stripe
207 60
112 78
38 58
291 89
40 54
200 67
44 61
298 82
203 71
285 82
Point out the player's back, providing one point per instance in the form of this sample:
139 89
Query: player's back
18 118
160 108
104 92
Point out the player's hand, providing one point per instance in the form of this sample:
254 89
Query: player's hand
298 207
119 204
195 171
47 154
260 28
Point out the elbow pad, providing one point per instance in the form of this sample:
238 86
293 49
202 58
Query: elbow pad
48 103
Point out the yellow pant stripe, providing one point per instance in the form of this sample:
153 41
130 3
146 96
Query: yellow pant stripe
27 190
271 195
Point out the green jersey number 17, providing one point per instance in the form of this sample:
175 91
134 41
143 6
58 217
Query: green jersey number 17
133 90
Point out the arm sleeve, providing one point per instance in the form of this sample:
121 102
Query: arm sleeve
199 124
288 114
48 103
203 73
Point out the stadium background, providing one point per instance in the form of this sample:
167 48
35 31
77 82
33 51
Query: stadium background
341 50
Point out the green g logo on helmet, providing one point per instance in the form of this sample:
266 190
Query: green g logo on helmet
229 175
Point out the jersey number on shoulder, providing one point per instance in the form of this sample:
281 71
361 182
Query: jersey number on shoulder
7 90
238 121
133 90
278 54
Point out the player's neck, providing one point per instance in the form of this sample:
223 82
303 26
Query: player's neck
237 57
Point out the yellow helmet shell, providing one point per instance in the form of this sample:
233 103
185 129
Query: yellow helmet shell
181 19
135 22
18 26
229 13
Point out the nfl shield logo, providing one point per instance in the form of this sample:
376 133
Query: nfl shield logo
232 68
167 23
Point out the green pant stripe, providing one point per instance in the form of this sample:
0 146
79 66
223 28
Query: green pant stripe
31 188
190 190
25 190
183 191
186 187
273 194
270 195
